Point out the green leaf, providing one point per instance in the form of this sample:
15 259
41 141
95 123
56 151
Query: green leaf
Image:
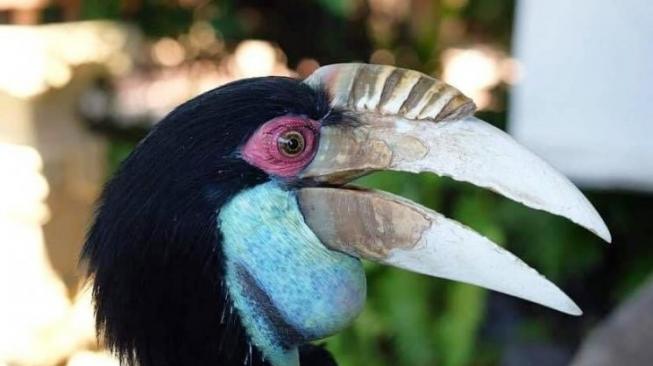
459 324
341 8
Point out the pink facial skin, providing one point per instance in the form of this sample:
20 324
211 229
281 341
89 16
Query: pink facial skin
262 149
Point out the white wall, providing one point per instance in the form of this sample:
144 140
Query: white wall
585 100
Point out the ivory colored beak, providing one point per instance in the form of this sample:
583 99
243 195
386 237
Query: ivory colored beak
402 120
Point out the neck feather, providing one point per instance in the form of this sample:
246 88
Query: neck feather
288 288
158 276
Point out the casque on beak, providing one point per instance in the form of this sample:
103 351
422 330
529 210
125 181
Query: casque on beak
403 120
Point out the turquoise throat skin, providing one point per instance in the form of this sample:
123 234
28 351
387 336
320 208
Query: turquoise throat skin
287 287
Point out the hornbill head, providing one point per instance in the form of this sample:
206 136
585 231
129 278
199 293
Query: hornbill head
230 234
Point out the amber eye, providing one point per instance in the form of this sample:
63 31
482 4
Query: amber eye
291 143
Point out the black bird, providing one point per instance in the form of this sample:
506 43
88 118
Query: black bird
229 235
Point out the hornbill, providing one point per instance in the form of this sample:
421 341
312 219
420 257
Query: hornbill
230 235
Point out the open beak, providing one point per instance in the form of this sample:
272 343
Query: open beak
402 120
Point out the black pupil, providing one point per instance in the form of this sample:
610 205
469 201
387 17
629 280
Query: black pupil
291 143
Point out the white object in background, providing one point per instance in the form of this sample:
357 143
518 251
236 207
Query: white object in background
39 325
584 100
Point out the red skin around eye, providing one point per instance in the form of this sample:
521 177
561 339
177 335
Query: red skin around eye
262 151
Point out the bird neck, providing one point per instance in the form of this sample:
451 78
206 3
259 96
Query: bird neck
158 271
287 287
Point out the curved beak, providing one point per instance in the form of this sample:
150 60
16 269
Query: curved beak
402 120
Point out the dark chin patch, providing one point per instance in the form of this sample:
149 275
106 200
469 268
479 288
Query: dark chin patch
288 336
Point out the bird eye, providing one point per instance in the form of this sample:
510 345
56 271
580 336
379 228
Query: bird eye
291 143
282 146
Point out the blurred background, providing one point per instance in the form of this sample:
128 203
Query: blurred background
81 81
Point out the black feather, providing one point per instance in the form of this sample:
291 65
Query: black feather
154 251
315 355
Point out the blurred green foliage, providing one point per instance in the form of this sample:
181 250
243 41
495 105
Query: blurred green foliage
411 319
